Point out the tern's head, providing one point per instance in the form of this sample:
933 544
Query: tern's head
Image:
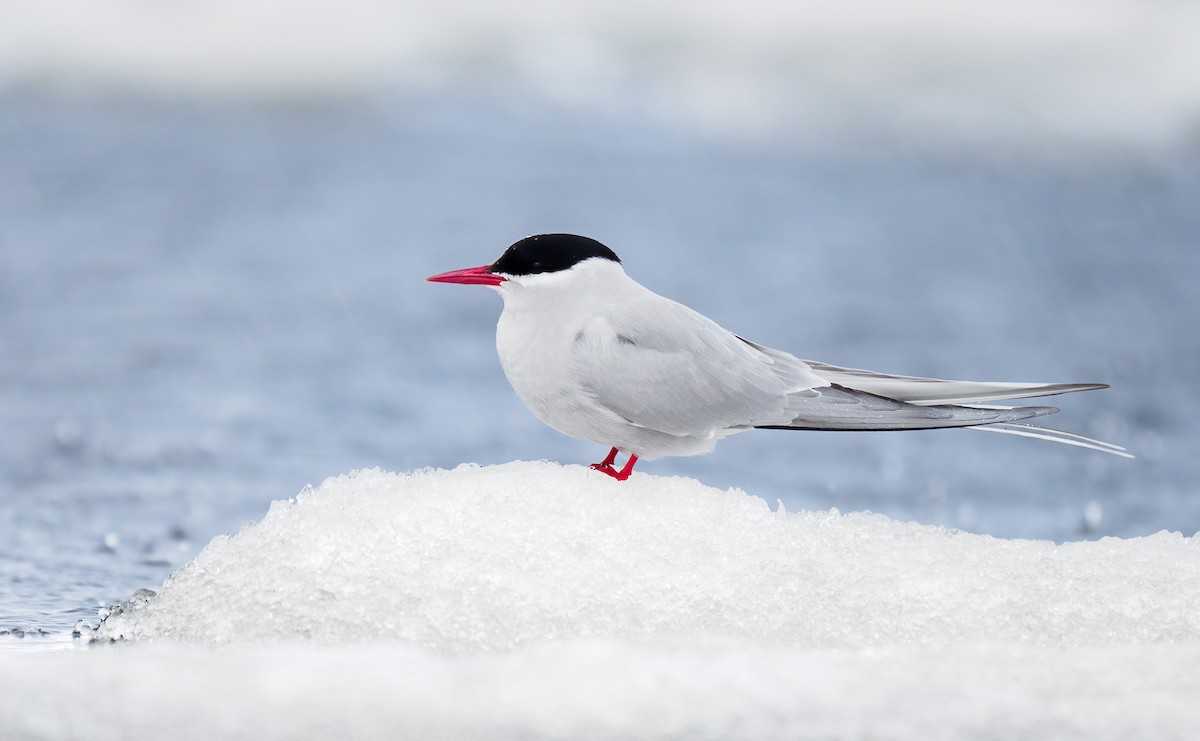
540 259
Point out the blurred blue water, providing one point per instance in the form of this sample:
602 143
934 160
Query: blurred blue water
204 308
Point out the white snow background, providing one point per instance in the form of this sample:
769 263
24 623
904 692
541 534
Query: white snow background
533 600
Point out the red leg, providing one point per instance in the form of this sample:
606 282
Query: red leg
606 466
628 469
612 456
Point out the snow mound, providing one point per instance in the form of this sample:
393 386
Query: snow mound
492 559
598 689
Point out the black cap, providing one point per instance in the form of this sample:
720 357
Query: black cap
549 253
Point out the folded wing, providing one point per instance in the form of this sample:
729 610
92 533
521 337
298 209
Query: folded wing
932 391
839 408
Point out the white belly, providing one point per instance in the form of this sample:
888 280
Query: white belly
537 359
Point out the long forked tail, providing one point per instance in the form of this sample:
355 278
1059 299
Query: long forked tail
1055 436
837 408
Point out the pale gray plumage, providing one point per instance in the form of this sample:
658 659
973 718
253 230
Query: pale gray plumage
597 356
650 376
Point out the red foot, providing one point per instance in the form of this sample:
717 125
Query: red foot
606 466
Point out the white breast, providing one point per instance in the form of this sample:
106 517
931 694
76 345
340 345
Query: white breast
547 319
534 339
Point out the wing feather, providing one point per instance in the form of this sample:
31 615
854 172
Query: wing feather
931 391
840 408
664 367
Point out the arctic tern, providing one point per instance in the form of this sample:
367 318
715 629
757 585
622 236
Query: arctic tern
597 356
